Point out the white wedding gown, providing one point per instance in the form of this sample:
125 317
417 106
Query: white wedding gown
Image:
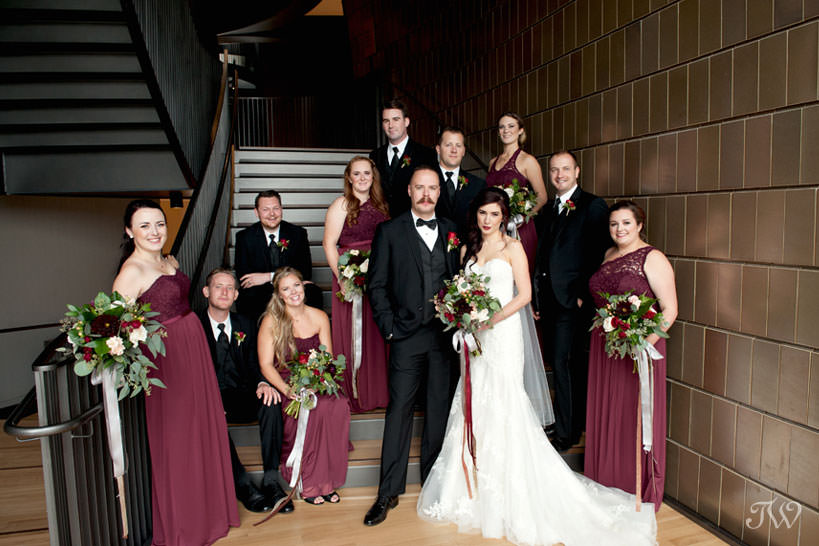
525 491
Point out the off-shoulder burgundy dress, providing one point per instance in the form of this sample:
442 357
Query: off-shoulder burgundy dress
611 413
504 176
193 497
324 459
372 375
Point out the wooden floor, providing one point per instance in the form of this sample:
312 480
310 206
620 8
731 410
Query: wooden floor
23 519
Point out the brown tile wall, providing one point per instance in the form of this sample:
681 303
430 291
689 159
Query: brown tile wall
707 111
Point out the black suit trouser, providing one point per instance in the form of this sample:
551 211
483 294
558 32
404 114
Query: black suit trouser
425 356
242 406
567 349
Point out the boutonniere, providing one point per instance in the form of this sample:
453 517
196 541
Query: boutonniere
240 337
283 244
462 182
406 162
452 241
568 206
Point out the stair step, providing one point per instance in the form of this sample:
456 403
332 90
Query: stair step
71 62
296 155
65 32
28 484
256 184
289 170
75 90
84 5
36 137
114 115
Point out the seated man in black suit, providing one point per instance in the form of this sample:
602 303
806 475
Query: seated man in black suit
458 187
246 396
399 157
266 246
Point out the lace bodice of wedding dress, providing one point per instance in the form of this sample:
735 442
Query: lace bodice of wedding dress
525 491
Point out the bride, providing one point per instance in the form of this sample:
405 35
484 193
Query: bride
522 490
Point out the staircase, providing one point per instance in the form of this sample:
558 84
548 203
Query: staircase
76 111
307 180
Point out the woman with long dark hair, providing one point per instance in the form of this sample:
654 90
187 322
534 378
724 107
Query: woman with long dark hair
611 419
515 164
520 488
289 326
192 492
350 225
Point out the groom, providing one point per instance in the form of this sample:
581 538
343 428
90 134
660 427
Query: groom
409 263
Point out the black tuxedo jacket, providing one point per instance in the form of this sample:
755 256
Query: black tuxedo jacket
395 183
571 248
395 280
244 355
253 256
458 211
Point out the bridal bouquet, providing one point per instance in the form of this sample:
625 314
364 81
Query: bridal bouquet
627 320
112 332
522 201
352 273
316 372
464 303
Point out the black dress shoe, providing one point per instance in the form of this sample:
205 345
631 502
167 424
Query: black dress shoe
562 445
254 500
274 494
378 511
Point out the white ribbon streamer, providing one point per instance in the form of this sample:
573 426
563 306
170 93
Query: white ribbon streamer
512 226
644 371
463 338
308 400
112 422
356 341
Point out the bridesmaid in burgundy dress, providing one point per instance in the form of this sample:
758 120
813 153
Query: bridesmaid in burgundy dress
289 326
515 163
350 224
611 414
193 499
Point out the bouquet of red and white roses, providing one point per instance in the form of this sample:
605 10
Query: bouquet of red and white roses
627 320
352 273
313 373
464 303
522 201
112 332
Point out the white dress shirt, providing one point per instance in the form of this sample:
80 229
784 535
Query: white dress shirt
401 146
214 325
428 235
455 173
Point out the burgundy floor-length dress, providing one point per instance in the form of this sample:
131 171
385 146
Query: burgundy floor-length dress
193 498
372 375
611 413
324 459
503 176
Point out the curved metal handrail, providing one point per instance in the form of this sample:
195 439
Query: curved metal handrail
13 428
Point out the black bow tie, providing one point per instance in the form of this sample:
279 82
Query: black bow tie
429 223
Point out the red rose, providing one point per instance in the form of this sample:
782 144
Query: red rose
649 314
87 339
480 293
449 316
87 357
621 334
303 358
316 372
358 281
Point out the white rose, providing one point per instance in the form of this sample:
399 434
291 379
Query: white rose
348 272
510 192
480 316
607 325
365 266
138 335
116 345
354 252
634 300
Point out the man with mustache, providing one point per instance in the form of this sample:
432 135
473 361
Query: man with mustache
409 263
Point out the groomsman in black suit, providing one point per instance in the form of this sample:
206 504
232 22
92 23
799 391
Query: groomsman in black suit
409 263
399 157
266 246
458 187
573 238
246 396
